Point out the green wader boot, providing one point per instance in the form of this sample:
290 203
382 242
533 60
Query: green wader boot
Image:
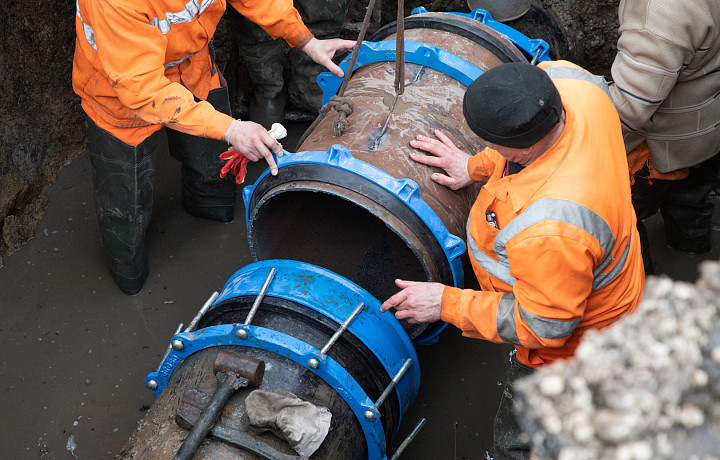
508 444
204 193
122 180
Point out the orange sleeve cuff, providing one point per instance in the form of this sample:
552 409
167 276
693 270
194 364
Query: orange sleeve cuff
218 125
450 306
478 167
299 36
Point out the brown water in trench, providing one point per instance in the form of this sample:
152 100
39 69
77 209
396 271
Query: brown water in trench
74 350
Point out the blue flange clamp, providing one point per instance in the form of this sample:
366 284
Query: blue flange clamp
406 190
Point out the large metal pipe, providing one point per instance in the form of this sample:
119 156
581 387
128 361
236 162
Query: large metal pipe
357 204
344 209
322 338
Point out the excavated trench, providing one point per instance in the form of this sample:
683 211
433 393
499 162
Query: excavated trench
75 350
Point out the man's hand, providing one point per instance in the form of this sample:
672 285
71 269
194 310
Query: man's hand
418 302
443 155
322 52
252 141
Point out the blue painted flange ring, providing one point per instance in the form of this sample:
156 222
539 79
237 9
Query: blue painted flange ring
405 190
531 46
185 344
335 297
415 52
431 56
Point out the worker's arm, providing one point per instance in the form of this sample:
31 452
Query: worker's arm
280 19
460 168
551 280
653 48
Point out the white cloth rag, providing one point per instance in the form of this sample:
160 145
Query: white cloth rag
302 424
277 132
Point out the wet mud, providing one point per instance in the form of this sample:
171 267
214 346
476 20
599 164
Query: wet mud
75 350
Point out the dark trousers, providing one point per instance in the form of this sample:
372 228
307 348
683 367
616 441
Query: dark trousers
123 191
685 205
269 60
508 444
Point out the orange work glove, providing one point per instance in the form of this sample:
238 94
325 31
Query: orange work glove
236 163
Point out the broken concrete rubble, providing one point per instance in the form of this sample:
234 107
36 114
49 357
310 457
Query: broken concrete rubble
647 387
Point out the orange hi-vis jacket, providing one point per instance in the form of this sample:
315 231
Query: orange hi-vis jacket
141 64
565 256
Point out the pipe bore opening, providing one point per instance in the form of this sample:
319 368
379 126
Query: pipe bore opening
336 233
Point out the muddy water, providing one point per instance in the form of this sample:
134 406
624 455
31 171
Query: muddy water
74 350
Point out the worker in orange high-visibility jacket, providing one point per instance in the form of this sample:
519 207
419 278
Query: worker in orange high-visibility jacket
551 235
141 65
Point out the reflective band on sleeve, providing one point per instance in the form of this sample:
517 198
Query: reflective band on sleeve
577 74
544 328
191 9
557 210
89 34
500 268
547 328
174 63
505 319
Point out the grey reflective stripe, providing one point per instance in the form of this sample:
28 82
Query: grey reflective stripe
577 74
547 328
191 9
558 210
574 214
544 328
174 63
89 34
505 319
500 268
603 279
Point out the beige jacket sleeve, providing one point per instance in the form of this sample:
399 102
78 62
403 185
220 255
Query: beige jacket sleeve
657 39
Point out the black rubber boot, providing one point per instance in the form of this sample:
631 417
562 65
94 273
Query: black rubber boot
204 193
267 110
265 62
122 182
687 209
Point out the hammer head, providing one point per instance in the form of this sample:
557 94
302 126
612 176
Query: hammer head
249 368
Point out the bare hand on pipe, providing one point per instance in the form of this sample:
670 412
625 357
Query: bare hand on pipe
417 302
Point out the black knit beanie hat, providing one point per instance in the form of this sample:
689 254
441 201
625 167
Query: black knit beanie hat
513 105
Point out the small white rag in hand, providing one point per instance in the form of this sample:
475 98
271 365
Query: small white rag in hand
277 132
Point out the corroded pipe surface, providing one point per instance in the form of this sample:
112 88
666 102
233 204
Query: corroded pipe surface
334 220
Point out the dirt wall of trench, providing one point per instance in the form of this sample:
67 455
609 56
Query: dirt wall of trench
41 123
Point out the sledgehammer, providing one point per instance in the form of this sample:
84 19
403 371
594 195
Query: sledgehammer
233 371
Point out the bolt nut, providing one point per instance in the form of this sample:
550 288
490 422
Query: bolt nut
177 344
242 334
152 384
313 363
369 416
